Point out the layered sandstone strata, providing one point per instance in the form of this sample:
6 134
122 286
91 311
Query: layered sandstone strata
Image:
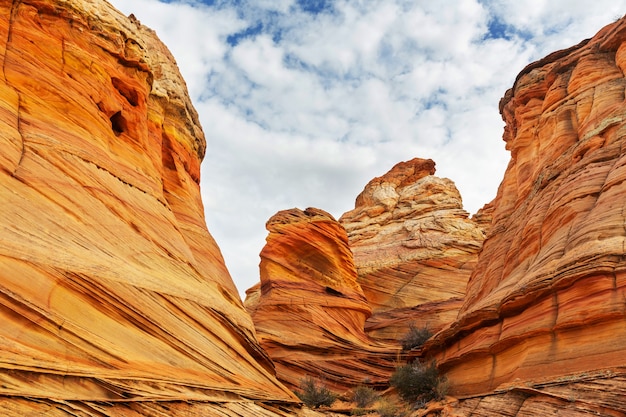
114 298
414 248
309 310
544 316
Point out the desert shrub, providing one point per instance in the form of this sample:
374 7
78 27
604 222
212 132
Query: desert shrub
421 403
388 409
363 396
315 394
416 337
358 412
442 387
417 381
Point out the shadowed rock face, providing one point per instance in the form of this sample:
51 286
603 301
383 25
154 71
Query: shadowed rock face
544 315
414 248
114 298
309 310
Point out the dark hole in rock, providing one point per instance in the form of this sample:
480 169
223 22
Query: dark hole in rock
118 123
333 291
128 92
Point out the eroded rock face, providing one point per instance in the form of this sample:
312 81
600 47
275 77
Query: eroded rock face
309 310
113 295
414 248
544 313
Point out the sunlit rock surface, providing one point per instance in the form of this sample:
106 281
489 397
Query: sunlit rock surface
414 248
543 323
114 298
309 310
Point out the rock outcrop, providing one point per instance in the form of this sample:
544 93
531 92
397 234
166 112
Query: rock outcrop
114 298
542 329
309 310
414 248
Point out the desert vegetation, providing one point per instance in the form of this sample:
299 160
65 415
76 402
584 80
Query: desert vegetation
419 382
416 383
415 337
363 396
314 393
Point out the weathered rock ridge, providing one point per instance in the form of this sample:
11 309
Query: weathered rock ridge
542 329
309 310
414 248
114 298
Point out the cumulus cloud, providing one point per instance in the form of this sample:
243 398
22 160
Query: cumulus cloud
304 101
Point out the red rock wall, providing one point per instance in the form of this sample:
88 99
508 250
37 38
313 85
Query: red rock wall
112 290
544 315
309 310
414 248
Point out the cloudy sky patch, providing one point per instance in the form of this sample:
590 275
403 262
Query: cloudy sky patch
304 101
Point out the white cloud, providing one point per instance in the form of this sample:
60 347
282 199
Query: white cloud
303 108
262 62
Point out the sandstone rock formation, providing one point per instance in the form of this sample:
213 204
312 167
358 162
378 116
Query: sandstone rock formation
309 310
114 298
414 248
542 329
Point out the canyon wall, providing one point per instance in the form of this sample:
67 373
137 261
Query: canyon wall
336 298
309 310
114 297
414 248
542 329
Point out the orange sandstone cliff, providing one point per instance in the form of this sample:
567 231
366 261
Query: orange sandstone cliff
540 327
309 310
542 330
414 248
114 298
334 304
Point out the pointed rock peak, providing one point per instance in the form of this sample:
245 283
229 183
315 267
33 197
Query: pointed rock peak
402 221
410 188
383 189
404 173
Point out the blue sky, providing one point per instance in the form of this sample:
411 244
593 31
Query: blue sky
304 101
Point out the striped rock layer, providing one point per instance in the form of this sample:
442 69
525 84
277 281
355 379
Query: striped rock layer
309 310
542 330
114 298
414 248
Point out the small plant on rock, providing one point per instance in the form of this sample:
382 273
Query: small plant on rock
315 394
364 396
388 409
418 381
416 337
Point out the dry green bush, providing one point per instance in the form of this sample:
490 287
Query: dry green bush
364 396
387 409
415 337
315 394
417 382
